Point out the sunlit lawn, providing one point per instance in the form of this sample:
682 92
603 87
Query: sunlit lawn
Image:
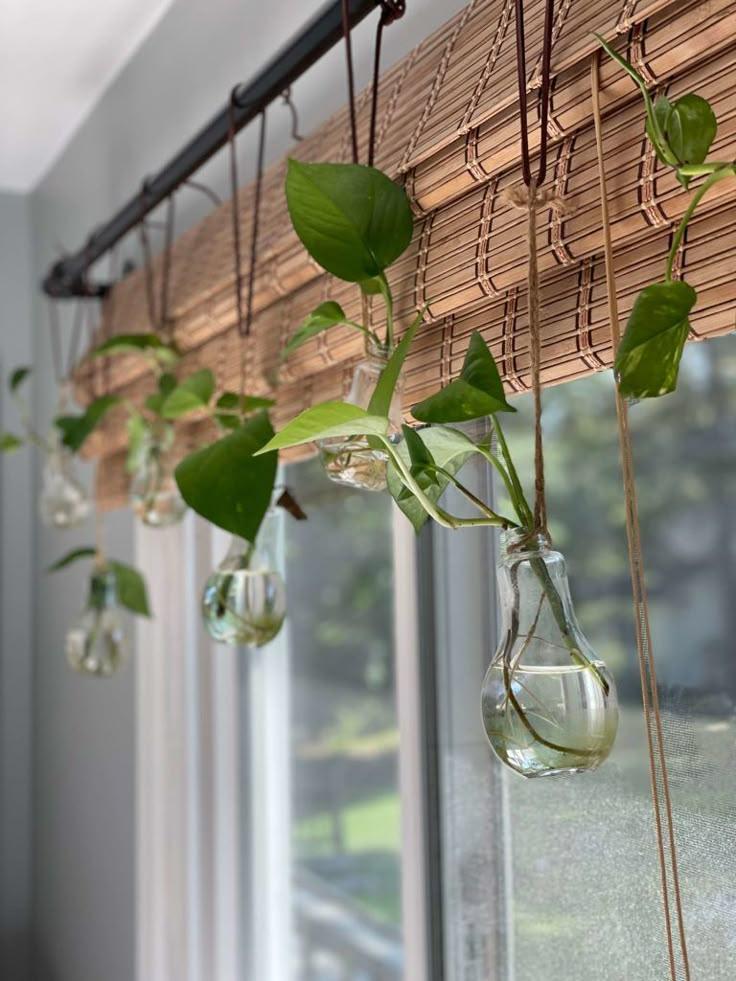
369 872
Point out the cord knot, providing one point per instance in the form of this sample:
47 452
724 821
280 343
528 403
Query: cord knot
521 197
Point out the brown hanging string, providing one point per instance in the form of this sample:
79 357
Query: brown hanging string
245 315
391 10
647 669
351 78
63 367
147 262
54 329
167 323
528 198
159 320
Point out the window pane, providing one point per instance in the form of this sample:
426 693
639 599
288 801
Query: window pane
562 874
346 820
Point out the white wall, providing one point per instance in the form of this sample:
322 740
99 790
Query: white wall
16 625
84 731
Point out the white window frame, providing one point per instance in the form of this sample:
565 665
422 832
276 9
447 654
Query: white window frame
206 851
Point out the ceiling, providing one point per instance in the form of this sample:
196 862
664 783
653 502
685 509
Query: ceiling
57 57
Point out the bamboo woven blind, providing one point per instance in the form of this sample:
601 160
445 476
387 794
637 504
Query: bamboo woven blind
448 127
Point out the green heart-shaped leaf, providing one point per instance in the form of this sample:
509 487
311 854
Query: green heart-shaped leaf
84 552
449 449
193 393
691 129
236 406
18 377
648 359
353 220
137 344
326 315
131 588
75 429
242 403
380 403
9 442
325 421
227 483
476 393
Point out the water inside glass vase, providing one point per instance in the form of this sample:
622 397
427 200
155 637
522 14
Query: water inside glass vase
350 461
548 701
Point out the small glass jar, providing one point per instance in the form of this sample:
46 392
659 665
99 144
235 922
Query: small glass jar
351 461
96 644
154 495
63 501
548 702
244 600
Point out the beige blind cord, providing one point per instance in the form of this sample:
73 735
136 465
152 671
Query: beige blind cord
666 844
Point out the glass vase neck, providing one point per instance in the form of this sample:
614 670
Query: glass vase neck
376 351
102 589
518 544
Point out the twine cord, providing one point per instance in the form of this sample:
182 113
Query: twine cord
350 78
167 325
245 312
391 10
147 266
528 197
661 799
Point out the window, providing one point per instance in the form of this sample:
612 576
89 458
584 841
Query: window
559 880
339 734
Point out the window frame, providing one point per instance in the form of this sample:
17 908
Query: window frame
212 821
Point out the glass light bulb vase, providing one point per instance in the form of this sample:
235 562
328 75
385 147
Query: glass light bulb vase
154 495
351 461
63 501
548 702
244 600
96 644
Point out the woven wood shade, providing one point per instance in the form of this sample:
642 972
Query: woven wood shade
448 127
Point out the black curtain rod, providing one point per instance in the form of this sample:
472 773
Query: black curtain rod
66 278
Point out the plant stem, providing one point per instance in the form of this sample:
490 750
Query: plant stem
511 637
727 170
558 612
519 499
433 510
389 300
498 519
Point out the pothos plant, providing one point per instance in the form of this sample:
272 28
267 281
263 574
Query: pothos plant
151 425
343 230
69 430
682 132
96 643
355 222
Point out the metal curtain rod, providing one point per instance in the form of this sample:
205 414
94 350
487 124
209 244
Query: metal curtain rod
66 278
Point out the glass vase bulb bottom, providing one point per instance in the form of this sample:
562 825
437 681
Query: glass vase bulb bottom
156 500
244 600
353 463
63 502
548 720
548 702
96 644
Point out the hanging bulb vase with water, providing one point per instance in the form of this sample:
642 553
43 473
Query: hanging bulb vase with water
63 502
96 644
351 461
154 495
244 600
548 702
